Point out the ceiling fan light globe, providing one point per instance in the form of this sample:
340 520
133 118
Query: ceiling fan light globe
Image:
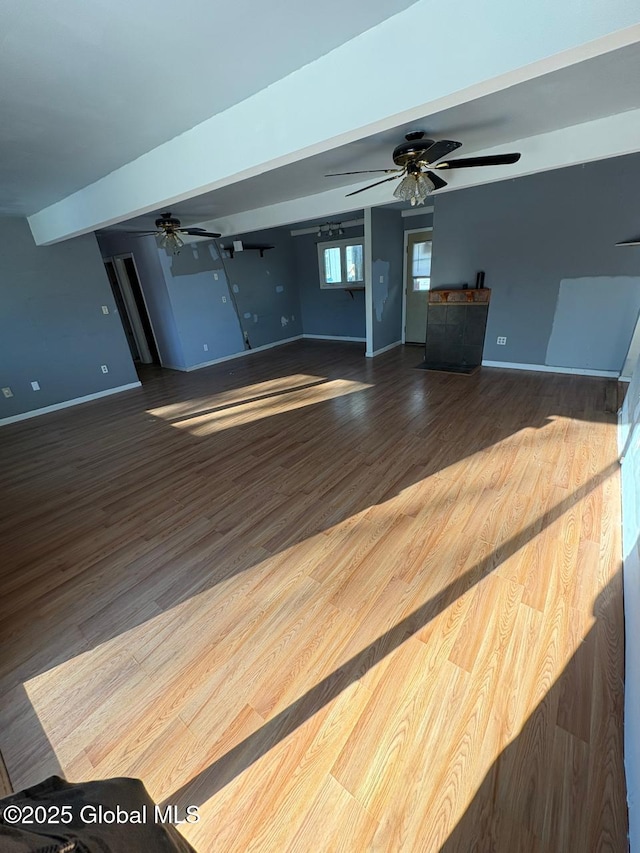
414 189
171 242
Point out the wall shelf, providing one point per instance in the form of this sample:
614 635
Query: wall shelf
248 247
351 289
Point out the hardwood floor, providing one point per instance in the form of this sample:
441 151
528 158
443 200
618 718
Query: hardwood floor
339 604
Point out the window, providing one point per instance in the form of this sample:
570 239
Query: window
421 266
341 263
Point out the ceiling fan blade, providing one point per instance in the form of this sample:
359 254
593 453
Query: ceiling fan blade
436 180
361 172
144 233
377 183
472 162
198 232
441 149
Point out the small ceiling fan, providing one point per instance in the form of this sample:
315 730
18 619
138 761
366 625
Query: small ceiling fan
416 158
169 229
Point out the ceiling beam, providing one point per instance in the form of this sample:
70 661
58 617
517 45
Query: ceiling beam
612 136
499 46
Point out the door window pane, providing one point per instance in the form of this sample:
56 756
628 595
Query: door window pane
332 266
421 260
354 263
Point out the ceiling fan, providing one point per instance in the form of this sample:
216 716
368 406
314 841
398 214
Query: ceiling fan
416 158
169 229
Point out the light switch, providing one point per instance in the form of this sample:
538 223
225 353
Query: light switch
35 386
7 392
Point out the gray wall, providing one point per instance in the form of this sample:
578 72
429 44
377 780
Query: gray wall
190 298
425 220
266 289
324 311
52 328
197 286
154 288
528 235
387 241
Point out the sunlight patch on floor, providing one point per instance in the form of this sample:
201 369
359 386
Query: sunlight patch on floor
235 396
265 407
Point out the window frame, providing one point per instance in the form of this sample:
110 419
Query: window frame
341 244
410 262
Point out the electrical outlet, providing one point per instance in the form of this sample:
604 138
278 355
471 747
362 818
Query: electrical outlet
35 386
205 347
104 368
224 298
501 341
215 275
7 392
105 309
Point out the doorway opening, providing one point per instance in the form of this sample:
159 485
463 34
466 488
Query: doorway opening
417 282
132 308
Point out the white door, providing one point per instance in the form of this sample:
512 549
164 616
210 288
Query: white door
417 283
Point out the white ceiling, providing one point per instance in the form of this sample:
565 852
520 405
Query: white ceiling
89 85
602 86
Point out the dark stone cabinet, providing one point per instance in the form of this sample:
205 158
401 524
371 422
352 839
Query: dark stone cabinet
456 324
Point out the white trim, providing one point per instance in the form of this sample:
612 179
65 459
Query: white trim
132 310
344 283
383 349
144 300
405 253
45 410
350 223
264 347
546 368
421 212
368 273
335 338
238 354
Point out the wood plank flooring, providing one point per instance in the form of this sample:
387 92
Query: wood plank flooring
338 604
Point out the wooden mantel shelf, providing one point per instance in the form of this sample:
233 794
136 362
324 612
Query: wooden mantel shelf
480 296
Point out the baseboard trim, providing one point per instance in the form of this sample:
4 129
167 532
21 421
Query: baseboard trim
344 338
45 410
239 354
545 368
383 349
